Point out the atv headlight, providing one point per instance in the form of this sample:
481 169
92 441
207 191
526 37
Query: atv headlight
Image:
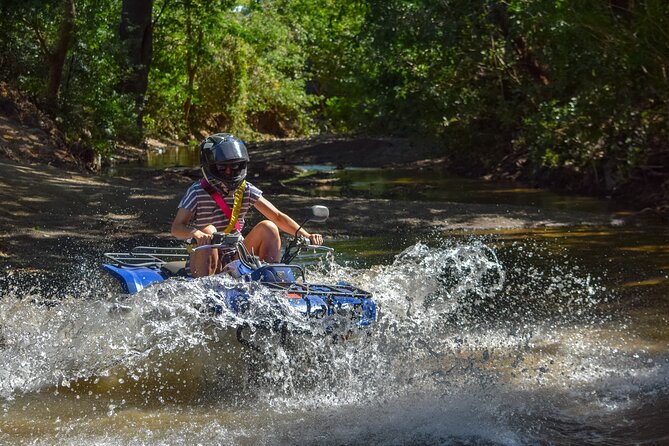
349 310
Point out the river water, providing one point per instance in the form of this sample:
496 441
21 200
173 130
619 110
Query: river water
515 337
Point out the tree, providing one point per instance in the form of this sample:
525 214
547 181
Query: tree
136 33
58 54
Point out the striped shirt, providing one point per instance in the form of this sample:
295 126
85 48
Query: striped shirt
205 210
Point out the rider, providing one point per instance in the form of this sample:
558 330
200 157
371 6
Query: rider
224 159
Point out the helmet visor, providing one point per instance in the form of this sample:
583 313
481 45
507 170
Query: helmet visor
225 171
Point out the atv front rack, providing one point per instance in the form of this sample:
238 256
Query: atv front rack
302 289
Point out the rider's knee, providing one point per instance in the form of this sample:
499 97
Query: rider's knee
269 228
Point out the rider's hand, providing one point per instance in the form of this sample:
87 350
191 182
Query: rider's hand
315 239
202 238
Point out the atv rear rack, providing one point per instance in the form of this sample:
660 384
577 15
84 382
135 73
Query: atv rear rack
155 257
148 256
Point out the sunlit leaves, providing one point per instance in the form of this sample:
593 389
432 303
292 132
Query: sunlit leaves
246 63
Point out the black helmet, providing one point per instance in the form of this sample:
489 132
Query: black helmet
220 149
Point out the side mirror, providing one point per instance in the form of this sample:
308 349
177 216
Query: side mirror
319 214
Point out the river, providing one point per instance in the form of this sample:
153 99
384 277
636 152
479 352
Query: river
548 335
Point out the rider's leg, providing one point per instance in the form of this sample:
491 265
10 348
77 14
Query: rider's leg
264 241
204 262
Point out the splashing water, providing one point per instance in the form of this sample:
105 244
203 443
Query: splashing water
468 349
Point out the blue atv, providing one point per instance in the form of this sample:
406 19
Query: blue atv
144 266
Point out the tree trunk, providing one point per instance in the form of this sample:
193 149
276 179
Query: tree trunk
136 34
526 58
58 55
192 65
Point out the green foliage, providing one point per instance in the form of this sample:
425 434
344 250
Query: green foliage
578 89
28 28
90 97
90 110
604 111
248 72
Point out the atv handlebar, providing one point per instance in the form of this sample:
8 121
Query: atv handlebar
231 241
216 245
220 240
234 241
304 243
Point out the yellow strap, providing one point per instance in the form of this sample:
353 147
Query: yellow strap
236 207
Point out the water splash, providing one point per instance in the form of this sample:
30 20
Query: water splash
513 337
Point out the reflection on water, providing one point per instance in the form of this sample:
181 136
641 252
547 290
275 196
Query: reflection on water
400 184
428 185
180 156
173 157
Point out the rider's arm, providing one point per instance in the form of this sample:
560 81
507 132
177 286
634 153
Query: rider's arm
283 221
182 231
